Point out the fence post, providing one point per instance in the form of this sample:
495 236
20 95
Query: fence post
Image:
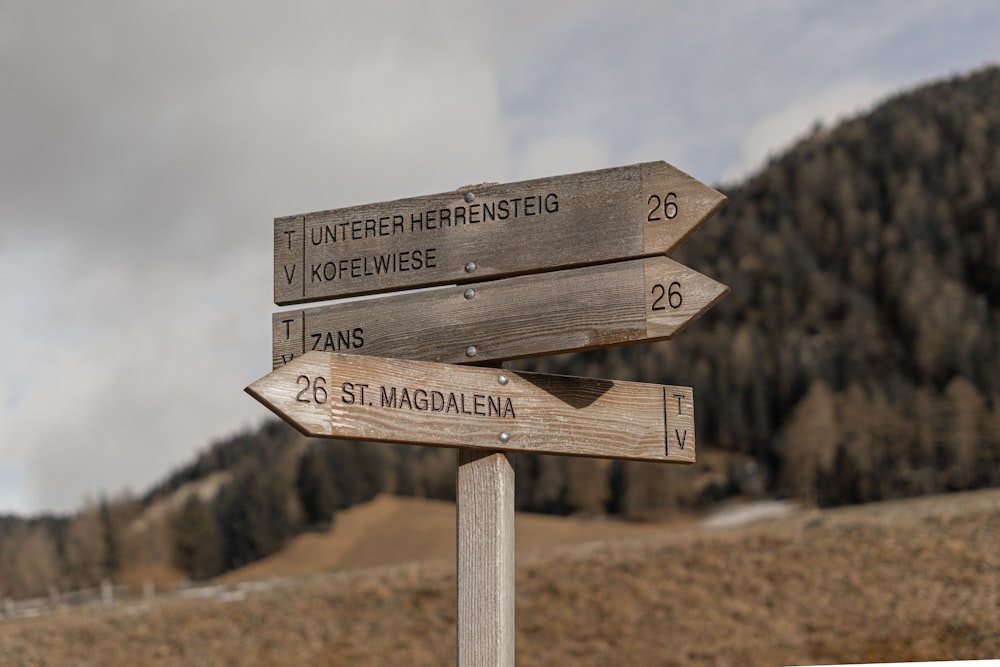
107 593
53 597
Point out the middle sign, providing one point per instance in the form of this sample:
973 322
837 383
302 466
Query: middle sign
561 311
488 231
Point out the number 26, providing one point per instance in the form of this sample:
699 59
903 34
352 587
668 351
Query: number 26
318 390
668 205
673 294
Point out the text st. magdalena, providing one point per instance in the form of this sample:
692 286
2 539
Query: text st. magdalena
424 400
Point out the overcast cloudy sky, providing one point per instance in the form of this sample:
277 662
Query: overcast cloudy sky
145 149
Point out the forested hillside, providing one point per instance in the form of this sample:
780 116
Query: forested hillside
858 355
856 359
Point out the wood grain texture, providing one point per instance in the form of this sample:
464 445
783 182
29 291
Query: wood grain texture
511 318
485 547
413 402
503 229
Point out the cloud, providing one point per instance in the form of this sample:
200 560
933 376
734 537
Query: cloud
774 132
563 154
12 495
146 152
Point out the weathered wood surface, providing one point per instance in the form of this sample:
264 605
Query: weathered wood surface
413 402
485 547
561 311
488 231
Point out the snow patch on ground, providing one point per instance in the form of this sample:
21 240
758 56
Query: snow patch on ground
747 513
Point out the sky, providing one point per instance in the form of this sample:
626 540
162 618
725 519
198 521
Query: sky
145 149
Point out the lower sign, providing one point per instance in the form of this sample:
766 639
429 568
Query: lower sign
414 402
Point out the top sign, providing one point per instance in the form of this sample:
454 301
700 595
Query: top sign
488 231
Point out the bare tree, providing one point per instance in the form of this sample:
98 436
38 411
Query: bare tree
85 550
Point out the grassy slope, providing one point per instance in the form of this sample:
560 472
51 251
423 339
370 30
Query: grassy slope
391 530
899 581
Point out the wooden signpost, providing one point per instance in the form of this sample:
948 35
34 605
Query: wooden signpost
488 231
357 397
511 318
538 267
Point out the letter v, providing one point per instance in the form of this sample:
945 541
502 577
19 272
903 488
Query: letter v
680 440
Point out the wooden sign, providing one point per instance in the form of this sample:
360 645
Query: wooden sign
488 231
562 311
392 400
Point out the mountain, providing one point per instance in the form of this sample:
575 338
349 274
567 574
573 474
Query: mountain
858 355
857 358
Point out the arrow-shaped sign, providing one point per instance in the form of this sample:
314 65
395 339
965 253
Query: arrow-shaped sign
576 309
488 231
414 402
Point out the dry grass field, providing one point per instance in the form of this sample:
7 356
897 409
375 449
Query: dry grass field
391 530
899 581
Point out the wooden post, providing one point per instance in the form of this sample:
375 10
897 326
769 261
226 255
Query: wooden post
485 506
